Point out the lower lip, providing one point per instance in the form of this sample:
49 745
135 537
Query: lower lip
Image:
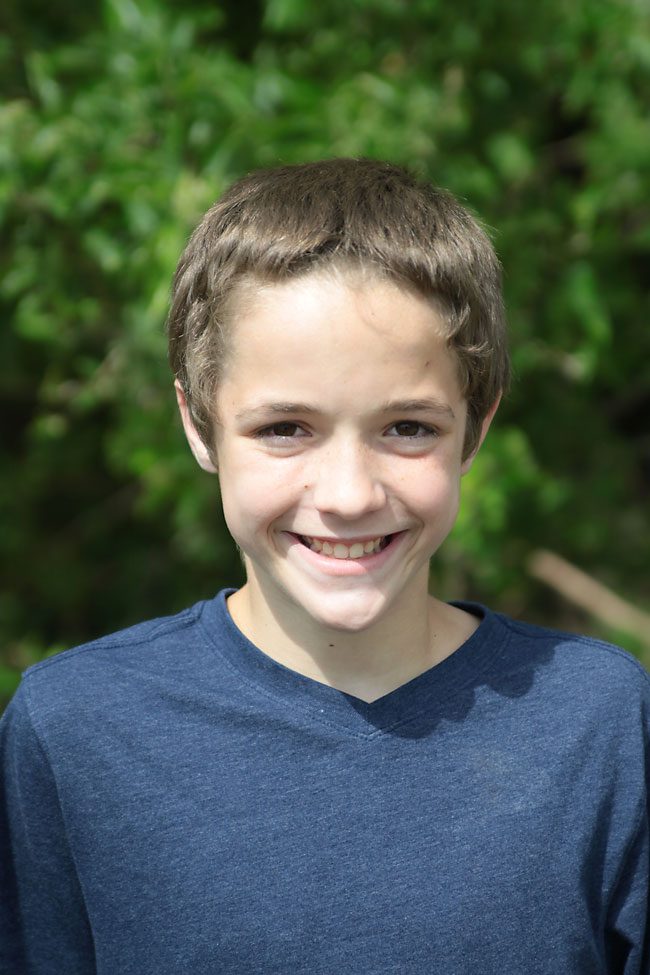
348 567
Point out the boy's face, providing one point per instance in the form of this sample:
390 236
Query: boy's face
339 443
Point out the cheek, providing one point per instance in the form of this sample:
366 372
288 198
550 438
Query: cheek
432 486
436 501
253 498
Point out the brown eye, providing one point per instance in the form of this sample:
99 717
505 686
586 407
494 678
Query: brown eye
284 429
412 432
282 432
408 428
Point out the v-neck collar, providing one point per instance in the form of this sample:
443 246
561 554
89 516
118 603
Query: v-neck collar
407 705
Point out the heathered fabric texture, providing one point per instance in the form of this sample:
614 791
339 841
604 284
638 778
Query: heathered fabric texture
177 802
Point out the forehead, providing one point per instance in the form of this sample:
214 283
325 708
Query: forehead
323 298
338 337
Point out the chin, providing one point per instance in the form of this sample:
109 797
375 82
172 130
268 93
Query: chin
352 615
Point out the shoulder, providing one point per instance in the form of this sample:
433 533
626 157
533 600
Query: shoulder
116 648
575 648
107 678
572 711
585 672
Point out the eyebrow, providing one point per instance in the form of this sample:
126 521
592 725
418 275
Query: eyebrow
419 406
265 409
391 406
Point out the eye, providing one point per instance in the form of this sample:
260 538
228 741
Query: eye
411 430
284 430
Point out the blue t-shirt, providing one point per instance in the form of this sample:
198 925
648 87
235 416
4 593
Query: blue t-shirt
174 801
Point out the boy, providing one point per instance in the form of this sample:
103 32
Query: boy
330 770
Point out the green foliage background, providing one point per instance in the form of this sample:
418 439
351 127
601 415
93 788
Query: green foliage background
122 120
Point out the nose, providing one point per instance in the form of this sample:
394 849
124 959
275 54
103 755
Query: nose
347 482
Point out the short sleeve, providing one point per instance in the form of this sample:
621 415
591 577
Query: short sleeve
628 935
44 928
628 911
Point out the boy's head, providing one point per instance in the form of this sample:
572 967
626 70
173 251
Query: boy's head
366 216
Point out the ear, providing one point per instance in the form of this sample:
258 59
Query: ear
485 426
197 446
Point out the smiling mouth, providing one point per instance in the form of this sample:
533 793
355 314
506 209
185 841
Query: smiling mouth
338 550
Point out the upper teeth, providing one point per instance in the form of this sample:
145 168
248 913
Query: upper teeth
341 551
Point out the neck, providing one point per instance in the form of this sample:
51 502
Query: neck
408 640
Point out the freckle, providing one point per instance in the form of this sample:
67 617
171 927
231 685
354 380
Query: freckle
331 644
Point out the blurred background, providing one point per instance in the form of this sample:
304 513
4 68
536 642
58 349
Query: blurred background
122 120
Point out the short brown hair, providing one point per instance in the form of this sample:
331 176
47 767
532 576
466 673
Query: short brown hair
276 223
